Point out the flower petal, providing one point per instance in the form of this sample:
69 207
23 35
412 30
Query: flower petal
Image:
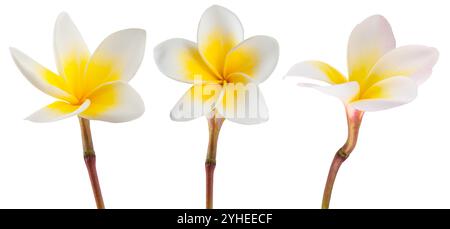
114 102
180 60
346 92
242 103
255 57
117 58
239 78
317 70
42 78
199 100
219 31
368 42
388 93
414 61
57 111
71 52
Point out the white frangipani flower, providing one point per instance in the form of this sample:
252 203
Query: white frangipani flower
93 86
225 71
381 76
224 68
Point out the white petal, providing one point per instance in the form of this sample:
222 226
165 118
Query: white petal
42 78
388 93
71 53
414 61
317 70
199 100
180 60
57 111
255 57
346 92
68 41
114 102
219 31
118 57
368 42
242 104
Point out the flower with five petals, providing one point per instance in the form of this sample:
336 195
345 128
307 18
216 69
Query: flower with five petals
225 71
380 76
93 87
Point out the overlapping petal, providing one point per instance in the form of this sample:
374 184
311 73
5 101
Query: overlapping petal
368 42
117 58
42 78
71 54
414 61
317 70
346 92
199 100
219 31
239 78
57 111
180 60
388 93
255 57
242 103
114 102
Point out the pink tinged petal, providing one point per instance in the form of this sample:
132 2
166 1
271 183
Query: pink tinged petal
42 78
346 92
71 53
317 70
219 31
242 103
388 93
180 60
57 111
255 57
414 61
117 58
368 42
199 100
114 102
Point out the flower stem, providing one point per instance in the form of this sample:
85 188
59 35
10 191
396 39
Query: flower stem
214 125
354 118
89 159
334 168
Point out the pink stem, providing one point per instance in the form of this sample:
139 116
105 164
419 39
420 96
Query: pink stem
354 118
89 159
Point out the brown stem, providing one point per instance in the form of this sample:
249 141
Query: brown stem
334 168
89 159
354 118
214 125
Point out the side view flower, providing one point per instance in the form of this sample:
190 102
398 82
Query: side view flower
225 71
381 76
92 87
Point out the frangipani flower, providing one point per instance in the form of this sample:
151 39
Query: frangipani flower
224 70
381 76
93 87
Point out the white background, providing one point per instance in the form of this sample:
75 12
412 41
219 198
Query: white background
402 159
